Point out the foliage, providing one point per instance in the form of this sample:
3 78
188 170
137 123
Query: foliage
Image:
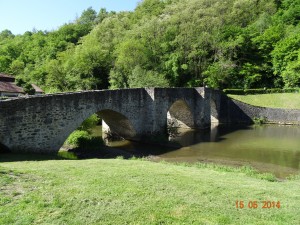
259 120
255 91
221 44
90 122
260 91
78 138
234 91
142 78
27 87
82 136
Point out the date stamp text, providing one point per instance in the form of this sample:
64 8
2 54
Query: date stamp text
239 204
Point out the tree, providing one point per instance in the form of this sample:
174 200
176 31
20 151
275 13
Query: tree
286 58
143 78
88 17
5 34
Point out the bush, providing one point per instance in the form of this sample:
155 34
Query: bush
291 90
255 91
82 139
90 122
234 91
259 120
260 91
28 89
78 138
275 90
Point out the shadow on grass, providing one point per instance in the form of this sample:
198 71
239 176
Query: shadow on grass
19 157
81 153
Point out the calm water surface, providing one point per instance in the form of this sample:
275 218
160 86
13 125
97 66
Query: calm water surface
268 148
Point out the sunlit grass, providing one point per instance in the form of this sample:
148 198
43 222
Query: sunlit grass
280 100
118 191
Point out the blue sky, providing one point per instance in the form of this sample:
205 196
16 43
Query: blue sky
20 16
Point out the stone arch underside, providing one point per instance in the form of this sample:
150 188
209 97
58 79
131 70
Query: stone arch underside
3 148
113 123
117 123
214 117
180 115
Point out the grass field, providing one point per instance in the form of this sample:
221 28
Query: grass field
281 100
118 191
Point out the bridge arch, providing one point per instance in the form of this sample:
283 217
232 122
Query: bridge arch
116 123
214 115
113 123
180 115
3 148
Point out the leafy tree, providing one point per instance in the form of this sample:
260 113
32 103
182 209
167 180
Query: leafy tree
28 89
5 34
286 58
88 16
143 78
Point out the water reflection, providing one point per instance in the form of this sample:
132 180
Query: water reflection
268 148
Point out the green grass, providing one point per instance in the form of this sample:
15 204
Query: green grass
118 191
282 100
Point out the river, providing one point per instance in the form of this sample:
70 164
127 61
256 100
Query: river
267 148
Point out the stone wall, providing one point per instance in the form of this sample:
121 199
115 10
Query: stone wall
234 111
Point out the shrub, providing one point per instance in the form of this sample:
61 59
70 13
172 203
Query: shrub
28 89
274 90
260 91
255 91
234 91
90 122
78 138
291 90
259 120
82 139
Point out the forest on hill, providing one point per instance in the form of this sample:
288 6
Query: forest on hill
166 43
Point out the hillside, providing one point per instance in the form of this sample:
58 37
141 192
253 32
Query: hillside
221 44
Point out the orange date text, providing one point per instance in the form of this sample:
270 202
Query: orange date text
257 204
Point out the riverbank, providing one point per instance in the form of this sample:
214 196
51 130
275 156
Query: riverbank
279 100
118 191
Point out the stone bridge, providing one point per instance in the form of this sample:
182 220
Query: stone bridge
43 123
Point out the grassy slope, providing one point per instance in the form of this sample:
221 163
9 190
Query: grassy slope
283 100
137 192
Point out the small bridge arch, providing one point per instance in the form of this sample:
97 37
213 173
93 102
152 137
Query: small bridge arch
180 115
116 123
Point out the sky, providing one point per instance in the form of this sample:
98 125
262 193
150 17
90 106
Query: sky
20 16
